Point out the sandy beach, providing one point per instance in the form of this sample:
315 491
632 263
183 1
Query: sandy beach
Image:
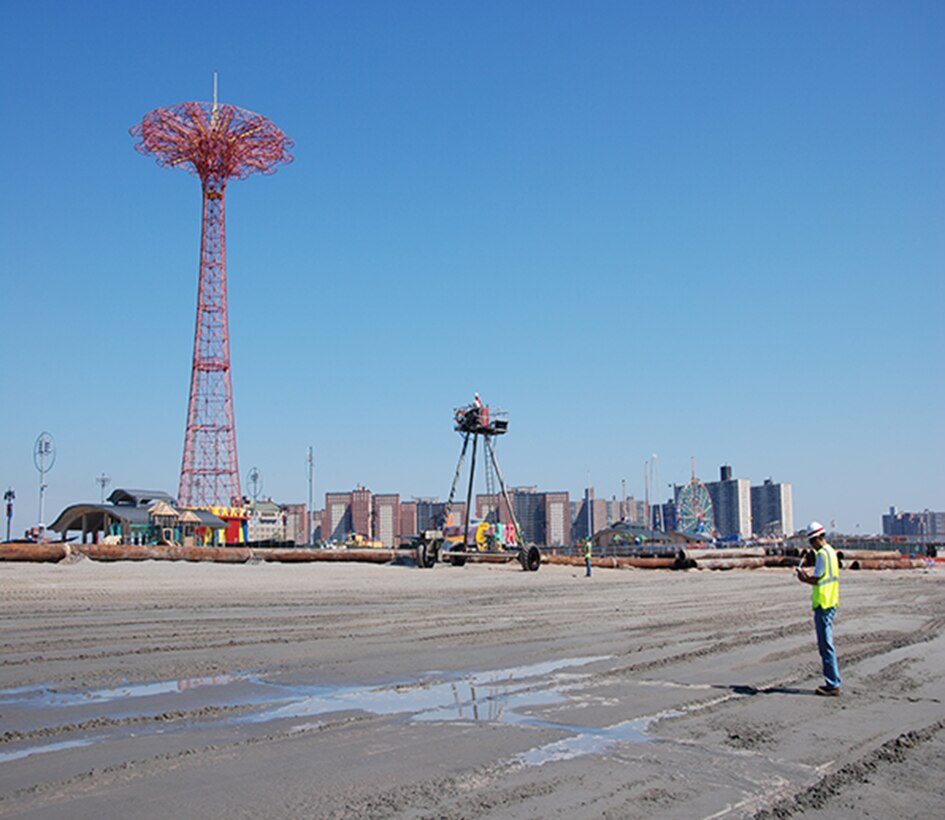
160 689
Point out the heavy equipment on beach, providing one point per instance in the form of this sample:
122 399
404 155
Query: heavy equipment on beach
485 541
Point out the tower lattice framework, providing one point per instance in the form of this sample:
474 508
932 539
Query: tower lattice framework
217 143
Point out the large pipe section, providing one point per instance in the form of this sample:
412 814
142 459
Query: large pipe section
721 559
373 555
698 554
33 552
614 562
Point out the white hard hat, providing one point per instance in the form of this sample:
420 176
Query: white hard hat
814 529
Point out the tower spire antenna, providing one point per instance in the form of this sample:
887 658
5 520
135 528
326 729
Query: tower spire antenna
215 148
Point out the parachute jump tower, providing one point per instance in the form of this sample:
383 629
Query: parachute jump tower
216 143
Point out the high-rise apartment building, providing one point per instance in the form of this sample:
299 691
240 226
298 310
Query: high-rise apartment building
457 515
634 511
386 527
362 512
317 519
731 505
492 508
408 518
296 523
431 514
588 515
772 509
913 523
557 520
544 518
529 513
336 517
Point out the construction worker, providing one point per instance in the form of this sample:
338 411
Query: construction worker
587 556
825 598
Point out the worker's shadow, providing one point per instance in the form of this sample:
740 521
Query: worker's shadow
745 689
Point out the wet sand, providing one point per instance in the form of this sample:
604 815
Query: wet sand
143 690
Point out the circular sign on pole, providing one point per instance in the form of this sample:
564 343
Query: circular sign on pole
44 456
44 452
255 482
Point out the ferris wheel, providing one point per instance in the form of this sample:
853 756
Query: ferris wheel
694 509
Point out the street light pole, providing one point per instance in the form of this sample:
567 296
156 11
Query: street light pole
9 496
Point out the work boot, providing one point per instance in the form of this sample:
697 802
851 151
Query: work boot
827 691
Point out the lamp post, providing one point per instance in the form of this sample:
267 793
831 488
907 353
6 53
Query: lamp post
9 496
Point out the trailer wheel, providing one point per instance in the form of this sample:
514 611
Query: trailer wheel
426 555
458 561
531 559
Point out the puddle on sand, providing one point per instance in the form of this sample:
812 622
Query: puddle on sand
6 757
41 697
492 695
586 741
495 696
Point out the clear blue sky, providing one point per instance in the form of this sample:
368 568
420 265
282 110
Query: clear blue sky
708 229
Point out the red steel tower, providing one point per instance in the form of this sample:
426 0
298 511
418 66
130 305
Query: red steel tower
217 143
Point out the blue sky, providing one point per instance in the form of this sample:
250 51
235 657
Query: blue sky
708 230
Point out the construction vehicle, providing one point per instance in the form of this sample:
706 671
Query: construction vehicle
485 541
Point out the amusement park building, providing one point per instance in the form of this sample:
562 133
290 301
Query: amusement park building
266 522
143 517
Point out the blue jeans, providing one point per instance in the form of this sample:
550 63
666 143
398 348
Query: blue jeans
823 624
587 561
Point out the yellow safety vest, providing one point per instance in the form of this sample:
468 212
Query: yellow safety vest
826 592
587 549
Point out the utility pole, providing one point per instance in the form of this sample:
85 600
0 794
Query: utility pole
589 503
646 494
311 498
658 523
